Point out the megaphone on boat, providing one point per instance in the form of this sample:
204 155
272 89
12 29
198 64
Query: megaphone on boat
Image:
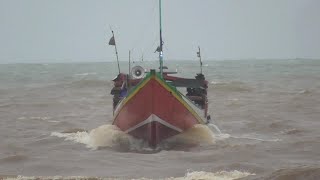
137 72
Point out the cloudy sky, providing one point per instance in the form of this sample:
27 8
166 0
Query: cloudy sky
78 30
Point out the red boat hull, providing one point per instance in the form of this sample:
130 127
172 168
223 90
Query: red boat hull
154 111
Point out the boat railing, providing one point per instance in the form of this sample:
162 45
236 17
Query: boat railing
189 100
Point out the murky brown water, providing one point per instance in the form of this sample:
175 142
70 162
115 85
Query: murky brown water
55 120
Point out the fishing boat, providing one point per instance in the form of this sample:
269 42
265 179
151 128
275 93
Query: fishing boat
149 105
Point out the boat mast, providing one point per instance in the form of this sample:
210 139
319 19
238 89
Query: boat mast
199 56
112 42
129 62
161 42
115 47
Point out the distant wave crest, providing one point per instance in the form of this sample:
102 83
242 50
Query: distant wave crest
193 175
233 86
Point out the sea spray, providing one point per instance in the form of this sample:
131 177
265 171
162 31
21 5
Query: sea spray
214 127
199 134
103 136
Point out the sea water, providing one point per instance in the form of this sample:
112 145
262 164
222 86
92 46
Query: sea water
55 122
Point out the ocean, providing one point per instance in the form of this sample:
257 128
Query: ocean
55 123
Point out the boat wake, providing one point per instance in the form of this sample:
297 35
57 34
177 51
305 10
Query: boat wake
110 136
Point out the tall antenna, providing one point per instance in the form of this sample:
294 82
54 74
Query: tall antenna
199 56
129 62
161 42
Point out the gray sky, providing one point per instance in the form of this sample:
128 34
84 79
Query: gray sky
78 30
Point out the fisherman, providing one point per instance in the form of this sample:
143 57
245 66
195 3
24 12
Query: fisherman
123 91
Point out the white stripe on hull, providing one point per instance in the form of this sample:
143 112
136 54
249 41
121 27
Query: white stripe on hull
153 118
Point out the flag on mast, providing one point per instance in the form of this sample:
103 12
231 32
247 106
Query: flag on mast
112 41
199 55
158 49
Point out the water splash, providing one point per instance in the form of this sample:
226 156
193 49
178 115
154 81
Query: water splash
103 136
215 128
199 134
111 136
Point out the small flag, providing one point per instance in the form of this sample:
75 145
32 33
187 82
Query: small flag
112 41
199 56
158 49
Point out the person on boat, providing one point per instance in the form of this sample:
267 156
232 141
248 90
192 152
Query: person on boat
123 91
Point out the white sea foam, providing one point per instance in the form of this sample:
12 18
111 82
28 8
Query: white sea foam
193 175
45 118
199 134
256 138
216 82
221 175
103 136
53 121
85 74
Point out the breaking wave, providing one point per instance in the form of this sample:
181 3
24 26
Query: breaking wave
305 91
14 158
221 175
86 74
193 175
112 137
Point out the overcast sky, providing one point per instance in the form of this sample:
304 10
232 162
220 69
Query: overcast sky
78 30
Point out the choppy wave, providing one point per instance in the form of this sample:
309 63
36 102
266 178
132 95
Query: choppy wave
194 175
88 83
256 137
14 158
291 131
111 136
233 86
81 83
86 74
305 91
221 175
39 118
298 173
